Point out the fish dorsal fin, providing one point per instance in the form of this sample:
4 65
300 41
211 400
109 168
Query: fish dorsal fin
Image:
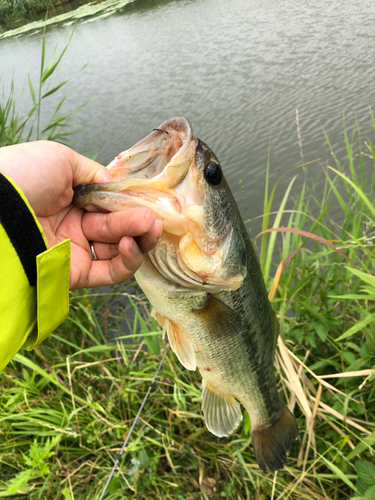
179 341
222 414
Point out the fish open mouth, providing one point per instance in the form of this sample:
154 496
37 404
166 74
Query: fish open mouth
146 175
160 173
169 149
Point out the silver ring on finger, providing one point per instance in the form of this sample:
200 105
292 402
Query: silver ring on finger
93 255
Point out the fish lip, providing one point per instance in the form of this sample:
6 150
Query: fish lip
153 150
80 193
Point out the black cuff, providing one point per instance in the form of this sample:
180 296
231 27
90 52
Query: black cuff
21 228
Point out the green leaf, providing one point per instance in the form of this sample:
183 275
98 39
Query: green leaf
322 331
114 486
32 90
272 240
51 67
368 278
43 46
96 348
66 493
370 493
143 459
357 327
19 482
343 205
353 296
339 473
30 364
246 424
362 486
366 471
55 89
366 442
358 190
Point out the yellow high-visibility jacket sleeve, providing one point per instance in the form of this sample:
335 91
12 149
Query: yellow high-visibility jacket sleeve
28 314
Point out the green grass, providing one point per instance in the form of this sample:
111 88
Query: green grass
87 12
15 128
66 407
14 10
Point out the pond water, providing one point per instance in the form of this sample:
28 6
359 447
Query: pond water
237 69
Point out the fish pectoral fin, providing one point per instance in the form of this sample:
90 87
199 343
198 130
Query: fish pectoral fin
179 341
218 319
222 414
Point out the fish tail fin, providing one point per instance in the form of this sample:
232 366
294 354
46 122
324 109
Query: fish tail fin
271 444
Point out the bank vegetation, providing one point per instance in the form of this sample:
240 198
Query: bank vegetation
66 407
22 11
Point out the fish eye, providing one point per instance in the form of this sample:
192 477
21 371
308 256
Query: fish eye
213 174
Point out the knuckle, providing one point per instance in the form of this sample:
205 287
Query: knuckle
113 249
114 275
102 226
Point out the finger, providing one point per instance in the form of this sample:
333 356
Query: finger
110 228
148 241
106 251
118 269
87 171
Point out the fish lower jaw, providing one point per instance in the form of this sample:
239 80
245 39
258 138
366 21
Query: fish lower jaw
167 210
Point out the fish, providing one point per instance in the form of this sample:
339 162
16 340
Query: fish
204 282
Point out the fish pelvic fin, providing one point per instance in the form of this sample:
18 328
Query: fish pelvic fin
271 444
222 414
178 340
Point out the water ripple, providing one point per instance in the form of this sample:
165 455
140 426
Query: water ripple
238 69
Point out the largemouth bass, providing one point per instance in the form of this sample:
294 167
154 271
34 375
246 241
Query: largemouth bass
204 282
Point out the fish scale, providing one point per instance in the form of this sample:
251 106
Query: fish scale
204 282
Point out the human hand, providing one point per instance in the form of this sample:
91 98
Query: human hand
47 172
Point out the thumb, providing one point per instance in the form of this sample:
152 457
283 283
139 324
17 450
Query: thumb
86 171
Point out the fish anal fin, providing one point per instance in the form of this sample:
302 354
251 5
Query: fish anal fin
222 414
179 341
271 444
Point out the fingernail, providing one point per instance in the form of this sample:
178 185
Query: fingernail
161 232
133 247
148 214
